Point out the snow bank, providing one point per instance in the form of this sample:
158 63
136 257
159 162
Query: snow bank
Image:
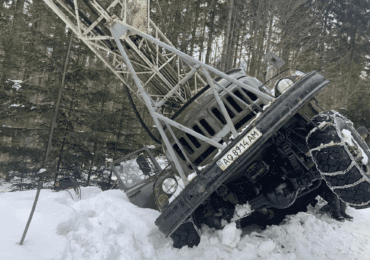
348 138
107 226
104 225
17 84
242 211
42 241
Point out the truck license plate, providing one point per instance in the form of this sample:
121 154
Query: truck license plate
238 149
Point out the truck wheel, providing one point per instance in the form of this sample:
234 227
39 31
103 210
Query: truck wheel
185 235
342 158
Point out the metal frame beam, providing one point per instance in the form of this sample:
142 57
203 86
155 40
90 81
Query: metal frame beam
162 73
220 103
70 24
192 61
117 33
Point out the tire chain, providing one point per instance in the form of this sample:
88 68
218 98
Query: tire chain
349 182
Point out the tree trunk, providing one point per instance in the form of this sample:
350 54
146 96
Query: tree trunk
64 139
117 138
194 27
201 47
226 36
230 47
256 33
236 49
210 36
43 165
242 35
59 160
260 49
270 32
91 165
349 66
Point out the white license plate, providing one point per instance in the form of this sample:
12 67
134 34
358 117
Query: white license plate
238 149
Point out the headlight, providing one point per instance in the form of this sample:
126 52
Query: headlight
169 186
284 84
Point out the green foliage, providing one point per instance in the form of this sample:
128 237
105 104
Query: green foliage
33 48
329 36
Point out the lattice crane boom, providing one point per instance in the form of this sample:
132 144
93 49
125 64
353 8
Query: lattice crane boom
122 35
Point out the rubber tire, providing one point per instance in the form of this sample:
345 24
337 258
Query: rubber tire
185 235
333 159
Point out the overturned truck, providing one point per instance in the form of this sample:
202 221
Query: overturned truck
233 145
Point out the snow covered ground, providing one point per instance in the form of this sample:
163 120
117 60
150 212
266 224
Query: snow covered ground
104 225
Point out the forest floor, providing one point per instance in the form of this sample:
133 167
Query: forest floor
105 225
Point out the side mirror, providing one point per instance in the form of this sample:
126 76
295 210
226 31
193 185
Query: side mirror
143 164
364 133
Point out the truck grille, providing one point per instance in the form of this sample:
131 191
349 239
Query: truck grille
206 126
197 150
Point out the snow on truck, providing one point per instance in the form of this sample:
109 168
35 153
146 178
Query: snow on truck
233 144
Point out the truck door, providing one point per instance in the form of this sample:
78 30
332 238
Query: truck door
136 173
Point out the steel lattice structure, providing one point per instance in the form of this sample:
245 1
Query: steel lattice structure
122 35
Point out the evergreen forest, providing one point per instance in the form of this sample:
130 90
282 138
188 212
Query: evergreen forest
95 123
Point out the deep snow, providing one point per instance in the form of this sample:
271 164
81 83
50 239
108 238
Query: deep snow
104 225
